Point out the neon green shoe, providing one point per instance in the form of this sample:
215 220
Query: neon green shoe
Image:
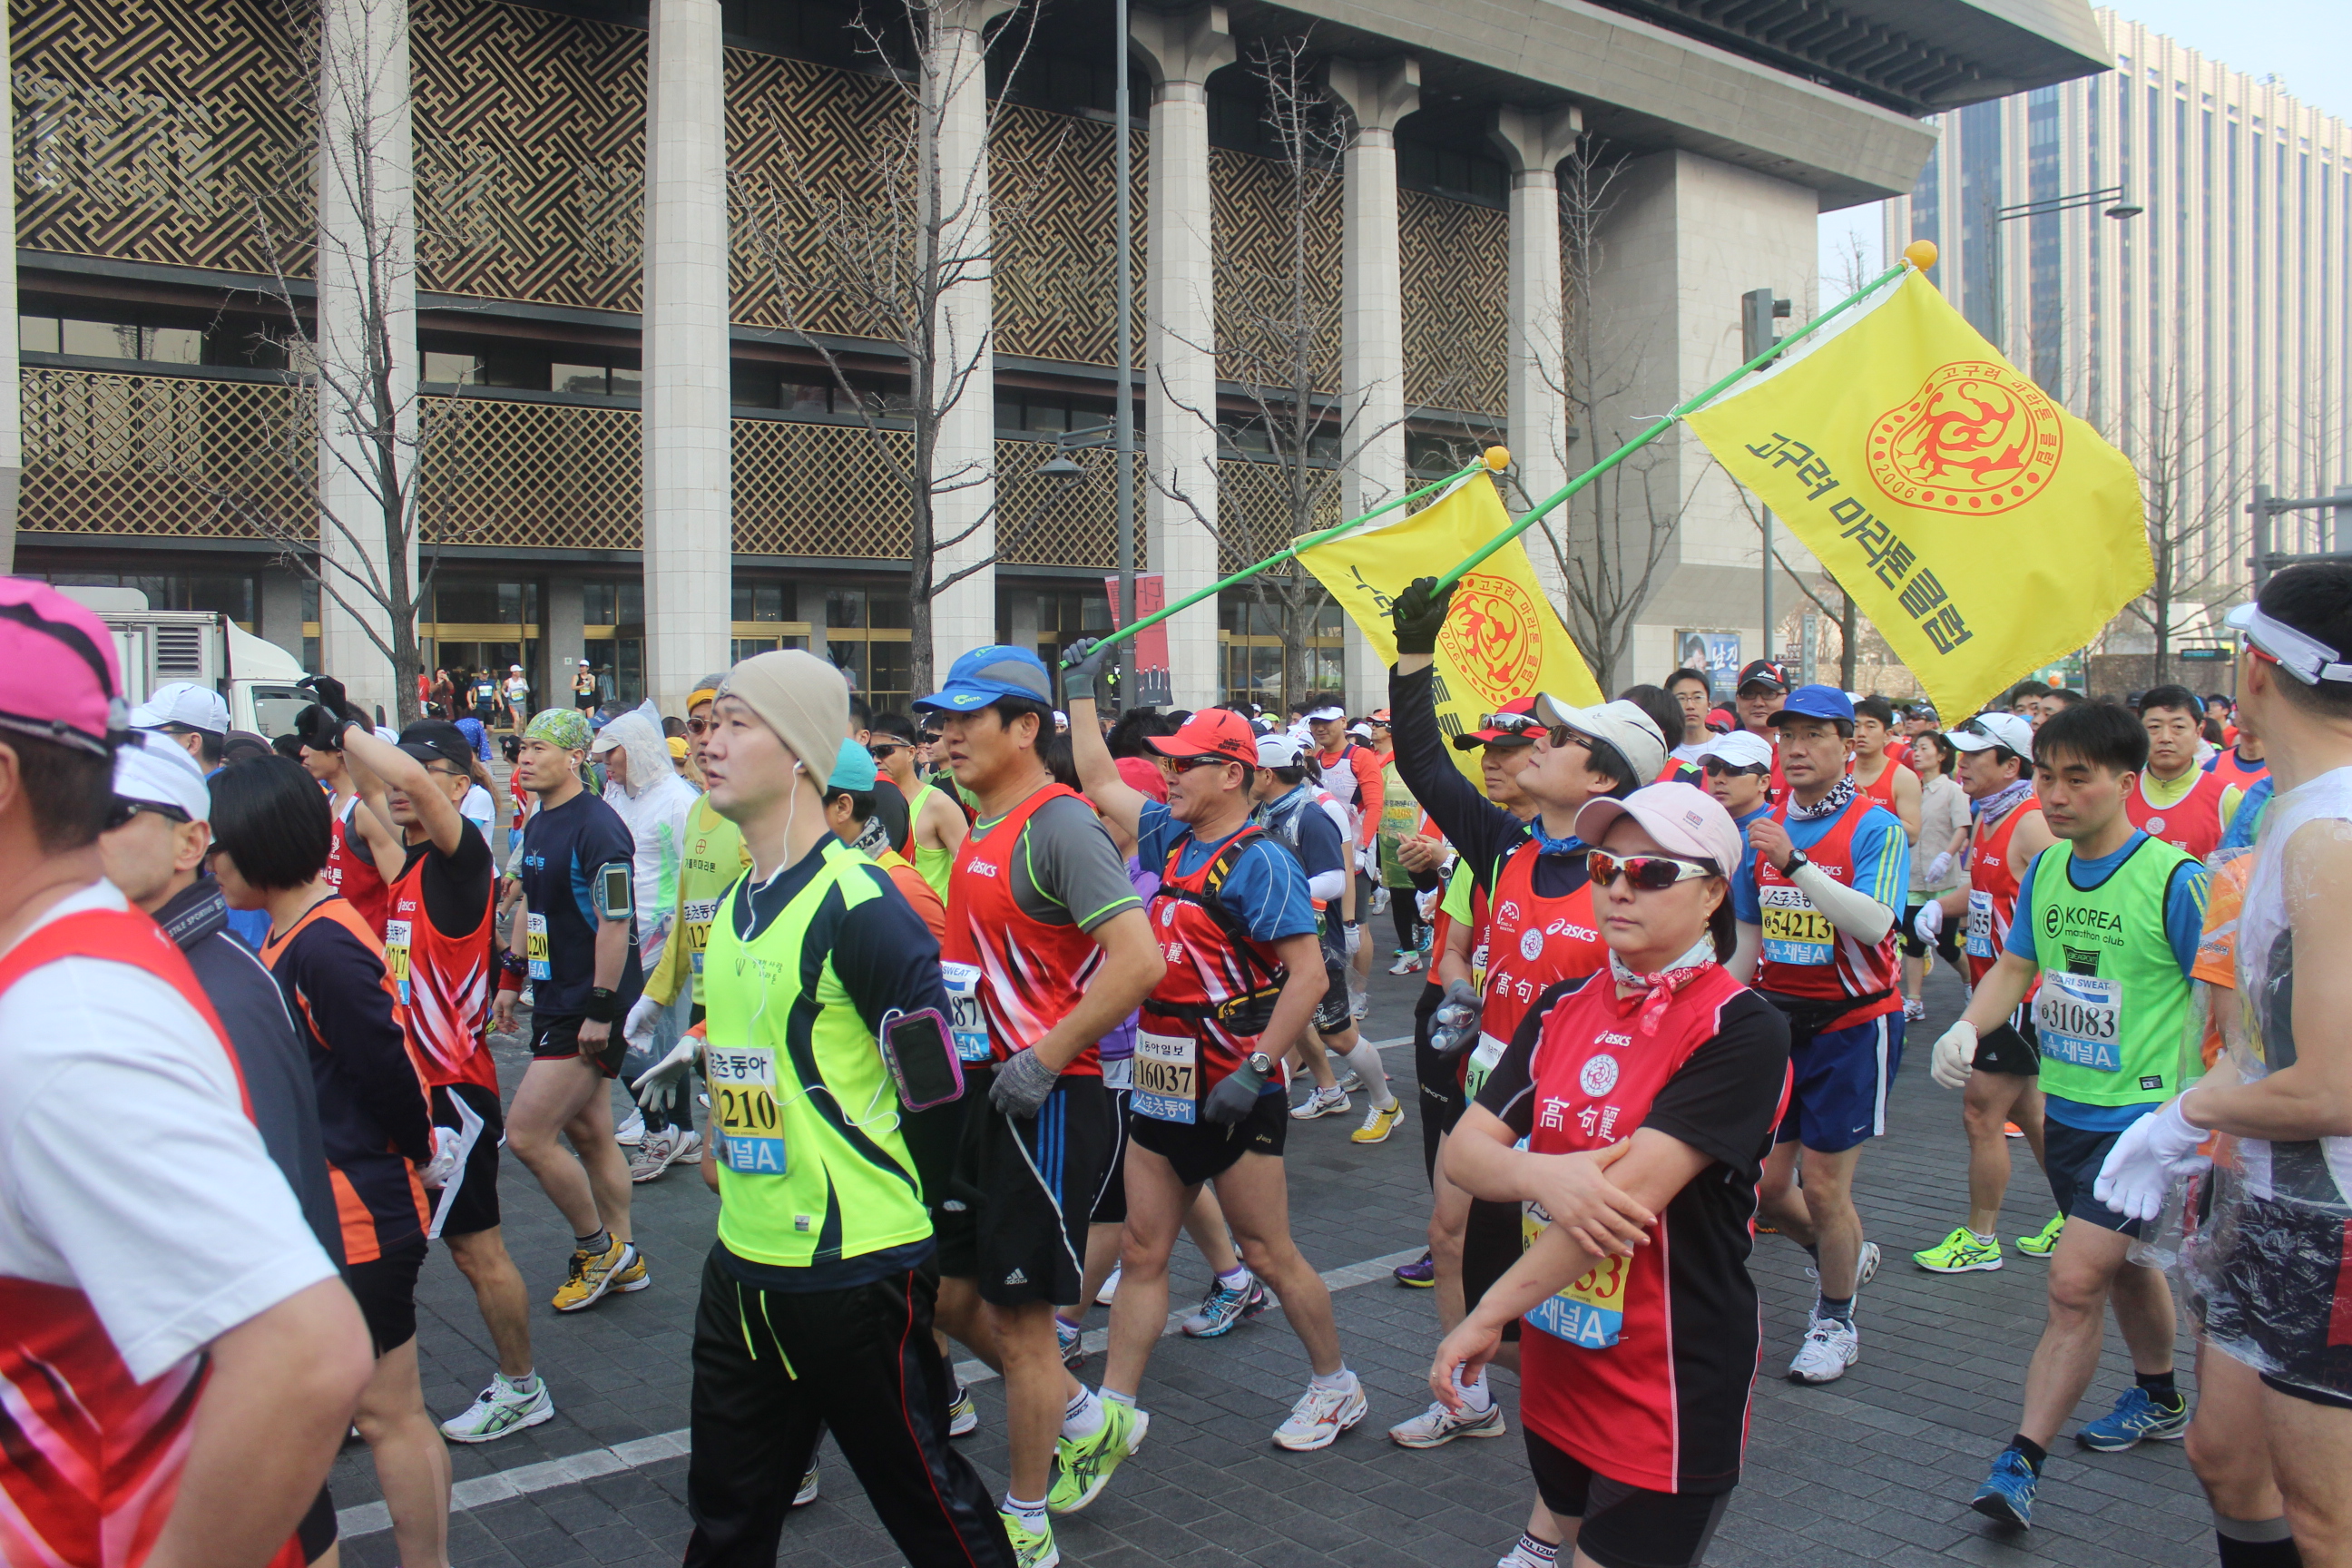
1083 1465
2042 1242
1960 1253
1030 1548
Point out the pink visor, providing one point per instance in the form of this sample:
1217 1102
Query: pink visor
59 677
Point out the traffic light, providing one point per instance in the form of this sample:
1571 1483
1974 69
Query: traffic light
1758 311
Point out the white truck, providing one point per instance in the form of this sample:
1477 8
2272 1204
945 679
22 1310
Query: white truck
158 646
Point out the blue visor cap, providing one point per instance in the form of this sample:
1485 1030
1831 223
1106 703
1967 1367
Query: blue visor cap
1815 702
987 674
853 768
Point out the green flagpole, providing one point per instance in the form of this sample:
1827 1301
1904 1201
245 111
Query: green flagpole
1667 421
1493 459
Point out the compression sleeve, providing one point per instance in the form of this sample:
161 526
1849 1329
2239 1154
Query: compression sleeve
1852 911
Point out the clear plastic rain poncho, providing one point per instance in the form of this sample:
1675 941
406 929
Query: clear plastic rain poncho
2261 1243
654 804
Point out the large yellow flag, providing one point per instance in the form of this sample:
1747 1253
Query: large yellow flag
1982 528
1502 641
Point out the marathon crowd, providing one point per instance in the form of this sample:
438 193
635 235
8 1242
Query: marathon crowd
982 1006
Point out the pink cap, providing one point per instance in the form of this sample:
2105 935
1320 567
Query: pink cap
1683 819
1140 773
59 677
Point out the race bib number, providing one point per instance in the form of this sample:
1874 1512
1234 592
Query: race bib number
535 948
1795 932
966 1022
743 1100
698 914
1590 1313
1488 1052
1478 966
2079 1018
396 955
1978 942
1166 1071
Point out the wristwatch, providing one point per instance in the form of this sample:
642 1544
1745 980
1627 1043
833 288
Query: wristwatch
1261 1064
1797 862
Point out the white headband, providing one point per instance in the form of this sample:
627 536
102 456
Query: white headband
2300 655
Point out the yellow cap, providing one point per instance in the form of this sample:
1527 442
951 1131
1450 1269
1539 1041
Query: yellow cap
1499 458
1920 253
678 746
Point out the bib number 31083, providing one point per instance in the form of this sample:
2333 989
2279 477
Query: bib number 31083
743 1100
2079 1019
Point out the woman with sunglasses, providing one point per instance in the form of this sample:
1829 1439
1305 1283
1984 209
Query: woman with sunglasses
1640 1319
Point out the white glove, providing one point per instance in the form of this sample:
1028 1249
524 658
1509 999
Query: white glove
1928 924
658 1086
639 1028
2141 1166
1955 1055
1938 867
1354 936
443 1164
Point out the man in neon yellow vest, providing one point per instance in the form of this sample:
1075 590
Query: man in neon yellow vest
936 824
2106 939
816 1301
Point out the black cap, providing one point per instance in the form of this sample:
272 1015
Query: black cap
437 739
1762 672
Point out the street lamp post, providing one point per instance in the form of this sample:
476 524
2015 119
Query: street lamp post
2111 197
1123 413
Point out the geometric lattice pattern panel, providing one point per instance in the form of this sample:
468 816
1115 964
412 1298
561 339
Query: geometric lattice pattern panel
1061 522
818 489
175 457
1455 265
550 475
823 154
1254 511
1054 180
1278 274
148 129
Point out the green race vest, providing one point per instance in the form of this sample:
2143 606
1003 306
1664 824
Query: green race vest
1400 814
711 860
933 863
2113 1004
814 1168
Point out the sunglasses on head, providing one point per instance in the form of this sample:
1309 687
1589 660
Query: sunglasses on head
1508 721
122 811
1648 873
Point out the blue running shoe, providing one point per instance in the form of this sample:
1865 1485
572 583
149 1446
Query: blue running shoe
1421 1273
2007 1494
2136 1419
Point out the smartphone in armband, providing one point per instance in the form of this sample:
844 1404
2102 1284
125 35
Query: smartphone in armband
612 892
920 1054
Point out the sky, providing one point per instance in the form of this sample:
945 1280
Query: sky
2307 42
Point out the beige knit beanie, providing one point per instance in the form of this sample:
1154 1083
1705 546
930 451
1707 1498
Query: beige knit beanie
801 697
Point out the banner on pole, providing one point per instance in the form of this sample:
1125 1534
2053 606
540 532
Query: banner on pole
1502 640
1153 686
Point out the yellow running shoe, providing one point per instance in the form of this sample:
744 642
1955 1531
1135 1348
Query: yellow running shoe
1030 1548
592 1275
1379 1122
2044 1241
633 1276
1960 1253
1083 1465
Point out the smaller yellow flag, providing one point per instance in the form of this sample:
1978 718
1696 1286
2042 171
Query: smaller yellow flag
1502 641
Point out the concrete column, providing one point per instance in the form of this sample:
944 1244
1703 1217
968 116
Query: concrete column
560 622
1371 315
367 305
1533 145
687 431
12 392
955 114
1022 612
281 610
1180 50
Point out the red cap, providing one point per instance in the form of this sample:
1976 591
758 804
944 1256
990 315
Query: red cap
1212 732
1524 708
1140 774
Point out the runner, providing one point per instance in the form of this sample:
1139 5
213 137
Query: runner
482 693
362 841
2241 764
1694 693
1666 714
2176 800
1757 698
810 1323
1999 1067
1047 949
849 805
1738 768
195 717
271 831
573 938
1639 1358
583 687
1353 776
1938 863
891 822
1830 871
1876 768
2106 943
936 822
515 691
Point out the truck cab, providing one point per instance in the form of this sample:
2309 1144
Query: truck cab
156 647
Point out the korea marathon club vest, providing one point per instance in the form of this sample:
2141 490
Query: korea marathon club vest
2112 1013
1530 942
814 1168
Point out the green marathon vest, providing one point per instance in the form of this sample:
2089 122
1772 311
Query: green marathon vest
712 859
933 863
814 1168
2113 1004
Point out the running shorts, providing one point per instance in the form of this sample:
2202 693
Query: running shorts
316 1533
1331 1012
1624 1526
554 1038
1838 1100
1203 1150
1948 940
1442 1100
386 1289
472 1193
1110 1198
1027 1188
2009 1048
2287 1291
2073 1157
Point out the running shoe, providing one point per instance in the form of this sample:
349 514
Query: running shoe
1865 1268
1320 1416
1030 1548
1830 1348
592 1274
1072 1340
1109 1289
1379 1122
632 1132
1420 1274
1321 1102
1960 1253
963 1415
501 1411
1351 1082
659 1151
2042 1242
1082 1466
1408 962
1914 1010
2136 1419
2012 1129
1436 1426
1226 1305
2007 1494
808 1492
1380 901
633 1275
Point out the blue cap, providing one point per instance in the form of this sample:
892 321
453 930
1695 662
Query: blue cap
853 768
1815 702
987 674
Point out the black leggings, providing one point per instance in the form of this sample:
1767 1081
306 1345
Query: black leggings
1407 914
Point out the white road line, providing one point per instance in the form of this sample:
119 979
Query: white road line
370 1518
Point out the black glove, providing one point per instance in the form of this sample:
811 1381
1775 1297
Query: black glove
329 693
1234 1097
1419 614
319 729
1082 661
1454 1026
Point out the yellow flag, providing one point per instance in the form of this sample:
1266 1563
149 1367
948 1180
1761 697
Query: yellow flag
1982 528
1502 640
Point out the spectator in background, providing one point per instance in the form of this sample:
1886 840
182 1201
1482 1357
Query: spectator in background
1693 693
196 718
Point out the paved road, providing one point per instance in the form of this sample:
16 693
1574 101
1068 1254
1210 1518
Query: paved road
1876 1468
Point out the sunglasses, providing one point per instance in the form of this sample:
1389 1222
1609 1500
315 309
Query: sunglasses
1718 770
1561 735
1512 721
1648 873
1186 764
121 813
700 726
881 749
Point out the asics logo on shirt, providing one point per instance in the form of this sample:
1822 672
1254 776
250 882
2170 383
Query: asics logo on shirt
979 867
1612 1040
1572 932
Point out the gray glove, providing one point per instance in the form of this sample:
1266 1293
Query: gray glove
1234 1097
1454 1026
1021 1084
1082 661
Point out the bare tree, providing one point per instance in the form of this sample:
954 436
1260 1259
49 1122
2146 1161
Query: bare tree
2178 437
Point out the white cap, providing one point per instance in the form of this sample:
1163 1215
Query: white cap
514 669
1278 750
1621 723
1318 715
182 702
1741 749
1361 727
1987 730
155 771
1684 818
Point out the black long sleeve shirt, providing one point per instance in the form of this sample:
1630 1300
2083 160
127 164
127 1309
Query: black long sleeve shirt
1481 832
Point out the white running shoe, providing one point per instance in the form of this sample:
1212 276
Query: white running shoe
689 1148
1379 900
1436 1426
1109 1289
1865 1269
808 1492
1320 1416
1914 1010
963 1415
1829 1349
1322 1102
501 1411
657 1153
1351 1081
632 1132
1407 962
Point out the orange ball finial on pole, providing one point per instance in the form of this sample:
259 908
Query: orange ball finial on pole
1499 458
1920 253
